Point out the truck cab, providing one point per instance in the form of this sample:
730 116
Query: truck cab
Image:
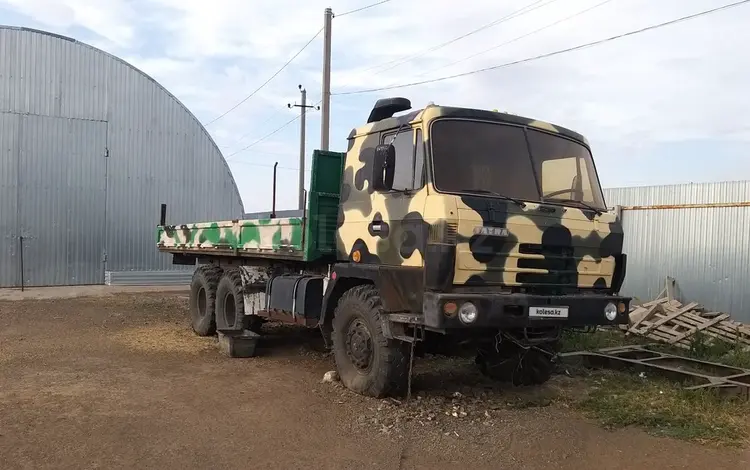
469 221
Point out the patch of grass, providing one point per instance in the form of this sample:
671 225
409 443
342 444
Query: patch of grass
702 346
660 406
707 348
666 409
573 340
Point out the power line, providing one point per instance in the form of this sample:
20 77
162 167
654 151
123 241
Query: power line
567 18
403 59
266 136
266 121
520 12
356 10
265 165
549 54
289 122
266 82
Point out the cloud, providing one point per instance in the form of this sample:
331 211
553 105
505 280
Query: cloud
110 21
652 105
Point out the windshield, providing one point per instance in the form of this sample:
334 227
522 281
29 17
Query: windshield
482 157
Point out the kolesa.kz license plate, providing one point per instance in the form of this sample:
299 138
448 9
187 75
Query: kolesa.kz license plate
548 312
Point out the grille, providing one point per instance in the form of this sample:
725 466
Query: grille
558 260
443 232
546 250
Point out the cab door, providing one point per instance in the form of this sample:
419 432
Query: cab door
397 228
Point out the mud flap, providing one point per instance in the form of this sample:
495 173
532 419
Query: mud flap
254 281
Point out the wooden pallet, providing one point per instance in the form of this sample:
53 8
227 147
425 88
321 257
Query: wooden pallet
667 320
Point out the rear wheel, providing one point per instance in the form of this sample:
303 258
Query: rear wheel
519 365
368 362
230 304
203 299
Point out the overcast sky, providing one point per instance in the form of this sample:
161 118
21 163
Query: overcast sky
665 106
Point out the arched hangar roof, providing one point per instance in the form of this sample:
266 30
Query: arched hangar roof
156 150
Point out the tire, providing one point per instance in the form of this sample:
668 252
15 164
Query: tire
203 299
230 304
520 367
381 366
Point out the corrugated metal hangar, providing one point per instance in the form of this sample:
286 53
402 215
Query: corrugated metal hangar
90 147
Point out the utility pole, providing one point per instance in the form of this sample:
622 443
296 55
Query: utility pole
303 108
325 114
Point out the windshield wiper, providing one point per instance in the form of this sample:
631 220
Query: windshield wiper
520 204
587 206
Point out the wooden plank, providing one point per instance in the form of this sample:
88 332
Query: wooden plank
725 326
652 310
673 306
655 302
714 333
636 314
689 325
661 337
700 328
690 320
676 314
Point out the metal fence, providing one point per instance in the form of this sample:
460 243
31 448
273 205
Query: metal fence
698 234
149 278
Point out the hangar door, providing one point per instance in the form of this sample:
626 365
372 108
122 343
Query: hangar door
60 202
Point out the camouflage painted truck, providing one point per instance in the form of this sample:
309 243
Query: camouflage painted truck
441 229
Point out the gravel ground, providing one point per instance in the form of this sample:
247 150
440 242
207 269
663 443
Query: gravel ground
119 381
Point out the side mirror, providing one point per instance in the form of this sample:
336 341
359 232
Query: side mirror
383 167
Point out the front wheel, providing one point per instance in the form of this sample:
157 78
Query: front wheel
368 363
517 364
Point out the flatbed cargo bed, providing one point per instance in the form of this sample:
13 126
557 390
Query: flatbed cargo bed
277 238
311 236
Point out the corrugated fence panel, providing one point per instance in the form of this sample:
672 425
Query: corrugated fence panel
149 278
9 241
692 193
706 249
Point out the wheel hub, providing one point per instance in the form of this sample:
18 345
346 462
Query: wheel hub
359 345
202 302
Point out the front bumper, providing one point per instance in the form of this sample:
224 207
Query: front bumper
512 310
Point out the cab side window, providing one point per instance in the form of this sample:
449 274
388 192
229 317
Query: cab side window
419 161
409 160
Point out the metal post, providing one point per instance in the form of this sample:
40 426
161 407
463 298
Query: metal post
302 110
273 204
20 253
325 118
163 216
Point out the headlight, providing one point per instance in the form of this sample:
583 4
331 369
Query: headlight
468 312
610 311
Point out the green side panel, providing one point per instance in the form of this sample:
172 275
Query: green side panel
323 204
271 234
266 236
312 238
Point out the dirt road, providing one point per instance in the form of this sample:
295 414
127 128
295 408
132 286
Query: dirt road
121 382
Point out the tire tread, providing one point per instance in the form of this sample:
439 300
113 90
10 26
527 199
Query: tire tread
206 276
232 280
390 376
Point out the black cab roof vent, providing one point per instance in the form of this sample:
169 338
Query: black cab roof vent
387 107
